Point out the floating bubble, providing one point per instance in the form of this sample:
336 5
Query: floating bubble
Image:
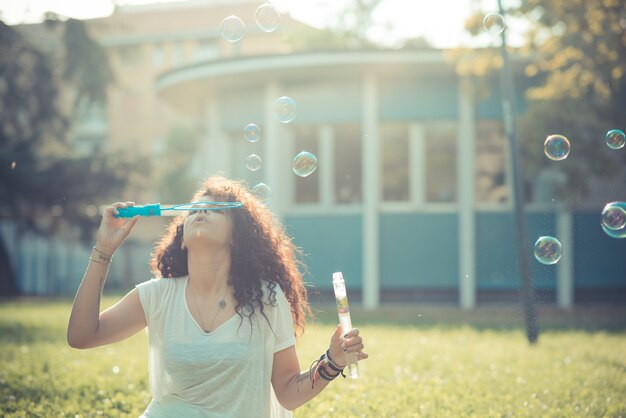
621 233
614 216
232 29
267 18
252 132
262 192
556 147
304 164
12 165
493 23
285 109
615 139
548 250
253 162
115 369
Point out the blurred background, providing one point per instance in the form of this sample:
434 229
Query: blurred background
399 101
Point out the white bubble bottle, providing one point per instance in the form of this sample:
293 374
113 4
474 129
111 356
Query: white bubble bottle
339 285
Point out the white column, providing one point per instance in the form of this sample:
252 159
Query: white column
417 164
275 176
565 266
371 193
327 165
215 149
465 182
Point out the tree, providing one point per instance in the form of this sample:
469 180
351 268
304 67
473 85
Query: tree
576 53
44 185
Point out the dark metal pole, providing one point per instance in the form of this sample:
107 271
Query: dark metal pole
508 111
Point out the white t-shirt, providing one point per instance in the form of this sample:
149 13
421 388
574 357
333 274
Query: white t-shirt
226 373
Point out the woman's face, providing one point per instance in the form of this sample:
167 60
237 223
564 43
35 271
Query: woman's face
208 227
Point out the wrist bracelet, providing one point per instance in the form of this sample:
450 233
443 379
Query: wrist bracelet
100 257
103 255
104 263
333 365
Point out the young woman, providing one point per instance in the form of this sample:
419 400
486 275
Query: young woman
220 317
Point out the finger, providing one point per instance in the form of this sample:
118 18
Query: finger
362 355
352 333
353 348
129 203
129 225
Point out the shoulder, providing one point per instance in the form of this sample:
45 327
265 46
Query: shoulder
160 285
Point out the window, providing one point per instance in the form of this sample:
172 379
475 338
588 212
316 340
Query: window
178 54
395 162
158 56
307 188
441 162
206 50
490 162
348 164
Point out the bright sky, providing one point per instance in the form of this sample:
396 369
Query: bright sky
439 21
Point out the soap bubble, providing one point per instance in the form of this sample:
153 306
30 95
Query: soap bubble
253 162
556 147
620 233
615 139
115 369
614 216
252 132
232 29
548 250
493 23
267 18
262 192
304 164
285 109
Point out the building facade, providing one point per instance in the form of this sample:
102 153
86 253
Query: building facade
411 198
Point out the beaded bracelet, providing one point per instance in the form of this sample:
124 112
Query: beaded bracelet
334 365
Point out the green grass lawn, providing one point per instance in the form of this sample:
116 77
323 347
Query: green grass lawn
424 362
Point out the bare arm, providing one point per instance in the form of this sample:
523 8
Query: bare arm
87 327
293 387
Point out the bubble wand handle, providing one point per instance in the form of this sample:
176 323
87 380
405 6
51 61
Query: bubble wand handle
153 209
343 310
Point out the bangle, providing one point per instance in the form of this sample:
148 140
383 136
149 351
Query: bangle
333 365
325 375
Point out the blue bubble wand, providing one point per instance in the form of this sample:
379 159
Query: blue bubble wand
155 209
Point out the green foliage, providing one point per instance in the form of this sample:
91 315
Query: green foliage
44 184
423 363
576 53
87 65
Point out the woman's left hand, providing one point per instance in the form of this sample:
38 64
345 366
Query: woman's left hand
350 343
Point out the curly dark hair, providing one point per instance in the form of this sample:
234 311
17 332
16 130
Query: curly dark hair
261 250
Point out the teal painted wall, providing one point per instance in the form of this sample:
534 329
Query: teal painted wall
418 98
330 244
419 250
496 247
599 260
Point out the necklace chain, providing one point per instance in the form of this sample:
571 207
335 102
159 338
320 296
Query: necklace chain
221 304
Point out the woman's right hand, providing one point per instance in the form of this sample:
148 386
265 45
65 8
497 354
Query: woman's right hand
113 231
